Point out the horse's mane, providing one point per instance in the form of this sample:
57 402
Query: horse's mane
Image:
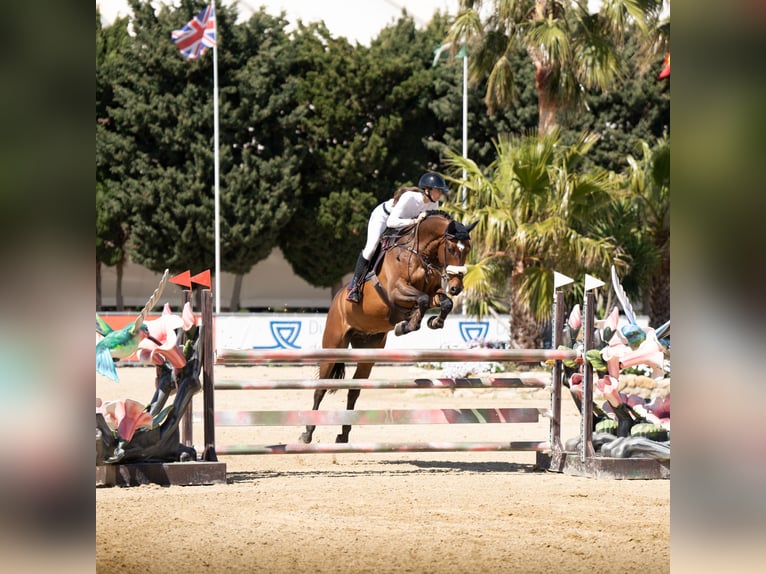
410 230
439 212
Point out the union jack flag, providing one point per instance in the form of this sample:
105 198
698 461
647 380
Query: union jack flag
196 36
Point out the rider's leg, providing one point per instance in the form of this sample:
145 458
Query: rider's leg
374 229
359 271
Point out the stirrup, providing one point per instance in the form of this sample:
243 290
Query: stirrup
353 294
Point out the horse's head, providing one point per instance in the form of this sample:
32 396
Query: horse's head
456 246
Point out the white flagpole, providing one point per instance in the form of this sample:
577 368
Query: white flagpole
465 118
217 188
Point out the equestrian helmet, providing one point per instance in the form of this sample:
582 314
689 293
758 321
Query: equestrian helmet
434 181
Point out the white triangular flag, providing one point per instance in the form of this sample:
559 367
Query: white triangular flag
591 282
559 280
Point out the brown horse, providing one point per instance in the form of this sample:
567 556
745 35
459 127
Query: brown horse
407 283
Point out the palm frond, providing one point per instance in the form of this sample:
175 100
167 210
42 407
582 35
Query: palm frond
501 85
551 38
467 25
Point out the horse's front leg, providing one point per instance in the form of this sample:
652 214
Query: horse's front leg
445 307
416 316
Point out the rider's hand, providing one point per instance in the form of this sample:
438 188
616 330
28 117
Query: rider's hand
421 217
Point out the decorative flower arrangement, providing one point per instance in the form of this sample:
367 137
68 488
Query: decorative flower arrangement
631 365
125 417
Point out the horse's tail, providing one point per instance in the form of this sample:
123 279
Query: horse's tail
338 371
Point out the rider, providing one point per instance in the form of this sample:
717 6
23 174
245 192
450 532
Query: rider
407 207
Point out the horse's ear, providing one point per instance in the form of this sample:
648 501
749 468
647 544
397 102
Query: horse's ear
474 224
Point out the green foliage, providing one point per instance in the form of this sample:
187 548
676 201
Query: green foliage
637 110
163 115
572 50
483 126
333 235
111 149
365 118
314 132
535 205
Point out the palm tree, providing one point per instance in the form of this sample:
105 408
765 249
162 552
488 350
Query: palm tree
648 184
571 49
535 206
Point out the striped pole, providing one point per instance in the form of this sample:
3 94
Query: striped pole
380 417
254 357
365 447
337 384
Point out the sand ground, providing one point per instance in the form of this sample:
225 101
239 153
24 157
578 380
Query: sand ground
380 513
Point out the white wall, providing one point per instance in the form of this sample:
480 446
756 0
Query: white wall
304 331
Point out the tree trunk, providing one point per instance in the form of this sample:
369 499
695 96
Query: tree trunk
119 303
236 293
526 332
98 285
547 107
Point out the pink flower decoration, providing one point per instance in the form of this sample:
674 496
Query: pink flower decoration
649 352
130 416
575 318
188 316
164 330
125 417
660 406
575 385
613 319
612 355
609 390
108 409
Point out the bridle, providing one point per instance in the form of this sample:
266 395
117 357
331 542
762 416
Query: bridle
445 272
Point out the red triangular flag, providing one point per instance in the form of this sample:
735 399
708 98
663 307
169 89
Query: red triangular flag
183 279
665 73
202 278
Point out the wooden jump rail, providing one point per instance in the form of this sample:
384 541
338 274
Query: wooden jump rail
382 447
258 357
338 384
385 417
550 453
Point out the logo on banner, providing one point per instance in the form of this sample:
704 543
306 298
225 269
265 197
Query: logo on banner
471 330
284 333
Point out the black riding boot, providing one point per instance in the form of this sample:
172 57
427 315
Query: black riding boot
354 293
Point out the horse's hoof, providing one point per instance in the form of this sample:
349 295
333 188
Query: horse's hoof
435 323
399 329
341 439
305 438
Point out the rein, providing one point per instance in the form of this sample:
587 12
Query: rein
444 271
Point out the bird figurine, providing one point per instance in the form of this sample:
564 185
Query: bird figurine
121 343
622 297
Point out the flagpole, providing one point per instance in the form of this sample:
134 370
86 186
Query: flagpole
217 174
465 119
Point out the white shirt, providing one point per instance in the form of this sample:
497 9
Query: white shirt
410 205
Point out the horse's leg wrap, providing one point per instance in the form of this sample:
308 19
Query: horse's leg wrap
445 307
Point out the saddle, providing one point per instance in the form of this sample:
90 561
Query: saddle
386 242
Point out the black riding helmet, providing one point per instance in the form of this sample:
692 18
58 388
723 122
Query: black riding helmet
433 180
